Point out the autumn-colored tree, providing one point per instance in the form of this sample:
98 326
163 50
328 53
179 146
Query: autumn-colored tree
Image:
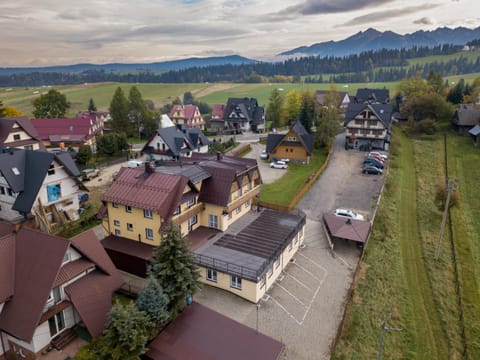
10 111
291 108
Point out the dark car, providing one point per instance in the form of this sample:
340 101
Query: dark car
368 169
372 161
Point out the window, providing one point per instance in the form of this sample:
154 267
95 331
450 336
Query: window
51 170
54 192
270 272
238 210
290 246
147 214
129 227
116 222
239 192
229 216
212 275
192 221
149 234
213 221
177 211
262 282
56 323
249 186
358 122
2 190
117 232
277 262
128 208
292 138
115 205
28 147
247 204
55 295
10 191
190 202
16 137
66 257
295 239
236 282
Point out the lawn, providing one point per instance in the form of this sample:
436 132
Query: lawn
398 277
282 191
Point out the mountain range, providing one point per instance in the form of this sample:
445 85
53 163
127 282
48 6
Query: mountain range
372 39
133 68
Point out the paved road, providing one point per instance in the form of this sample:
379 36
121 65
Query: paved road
305 305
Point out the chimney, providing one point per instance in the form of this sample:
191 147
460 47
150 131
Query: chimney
219 156
149 167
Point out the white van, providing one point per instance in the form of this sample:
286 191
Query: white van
134 163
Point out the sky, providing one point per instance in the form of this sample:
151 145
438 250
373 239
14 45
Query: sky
58 32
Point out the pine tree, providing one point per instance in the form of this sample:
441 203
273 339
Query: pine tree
274 108
154 302
174 267
91 105
137 110
119 112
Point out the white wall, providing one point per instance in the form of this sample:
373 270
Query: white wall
6 203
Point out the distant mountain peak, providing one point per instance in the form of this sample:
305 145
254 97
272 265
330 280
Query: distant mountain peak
372 39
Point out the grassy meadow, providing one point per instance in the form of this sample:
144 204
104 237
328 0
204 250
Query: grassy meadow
398 279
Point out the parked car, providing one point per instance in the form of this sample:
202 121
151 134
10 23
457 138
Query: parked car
349 214
372 161
88 174
279 165
82 197
264 155
134 163
384 156
378 157
369 169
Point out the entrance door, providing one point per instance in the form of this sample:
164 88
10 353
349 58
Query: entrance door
56 323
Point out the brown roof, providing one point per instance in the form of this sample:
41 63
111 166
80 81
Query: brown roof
7 266
38 257
72 269
203 334
6 126
92 298
155 191
127 246
345 228
200 236
217 112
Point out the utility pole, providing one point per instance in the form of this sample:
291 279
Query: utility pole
385 328
450 188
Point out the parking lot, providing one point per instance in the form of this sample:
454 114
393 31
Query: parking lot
304 308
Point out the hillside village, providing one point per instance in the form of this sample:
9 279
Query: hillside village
270 274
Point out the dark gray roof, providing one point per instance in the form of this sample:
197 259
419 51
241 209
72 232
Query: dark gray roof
31 169
475 131
194 173
274 140
365 95
466 115
382 111
245 110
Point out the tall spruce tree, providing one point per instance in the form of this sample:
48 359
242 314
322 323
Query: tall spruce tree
274 108
119 112
91 105
137 110
154 302
174 267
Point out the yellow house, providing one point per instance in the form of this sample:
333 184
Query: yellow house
295 145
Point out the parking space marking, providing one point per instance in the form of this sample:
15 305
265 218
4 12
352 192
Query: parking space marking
319 281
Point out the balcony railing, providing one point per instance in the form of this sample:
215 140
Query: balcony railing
241 200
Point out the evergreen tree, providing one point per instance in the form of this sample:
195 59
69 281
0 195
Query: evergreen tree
137 110
154 302
126 333
119 112
188 98
174 267
84 154
274 108
328 120
91 105
51 105
307 110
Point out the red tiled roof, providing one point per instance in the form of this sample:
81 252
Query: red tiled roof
155 191
63 127
38 257
190 111
7 266
345 228
174 109
217 112
72 269
203 334
92 298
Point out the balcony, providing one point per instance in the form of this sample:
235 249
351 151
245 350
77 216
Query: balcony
187 214
241 200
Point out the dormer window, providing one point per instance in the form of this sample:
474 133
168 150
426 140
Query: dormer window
16 137
16 171
51 170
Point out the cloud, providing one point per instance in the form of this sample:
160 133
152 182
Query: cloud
315 7
424 21
388 14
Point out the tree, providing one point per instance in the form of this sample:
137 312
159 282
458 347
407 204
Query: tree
10 111
154 302
137 110
307 110
174 267
91 105
112 144
291 107
428 106
151 123
328 119
188 98
51 105
2 110
119 112
84 154
274 108
126 333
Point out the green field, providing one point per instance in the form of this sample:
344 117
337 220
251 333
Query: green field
398 275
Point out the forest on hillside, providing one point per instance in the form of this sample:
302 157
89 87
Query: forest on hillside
379 66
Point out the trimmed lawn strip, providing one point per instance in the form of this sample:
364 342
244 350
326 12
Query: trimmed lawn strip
282 191
463 159
393 278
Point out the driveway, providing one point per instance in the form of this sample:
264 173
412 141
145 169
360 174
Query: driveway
305 306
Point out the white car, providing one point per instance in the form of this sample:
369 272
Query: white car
379 154
264 155
349 214
279 165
